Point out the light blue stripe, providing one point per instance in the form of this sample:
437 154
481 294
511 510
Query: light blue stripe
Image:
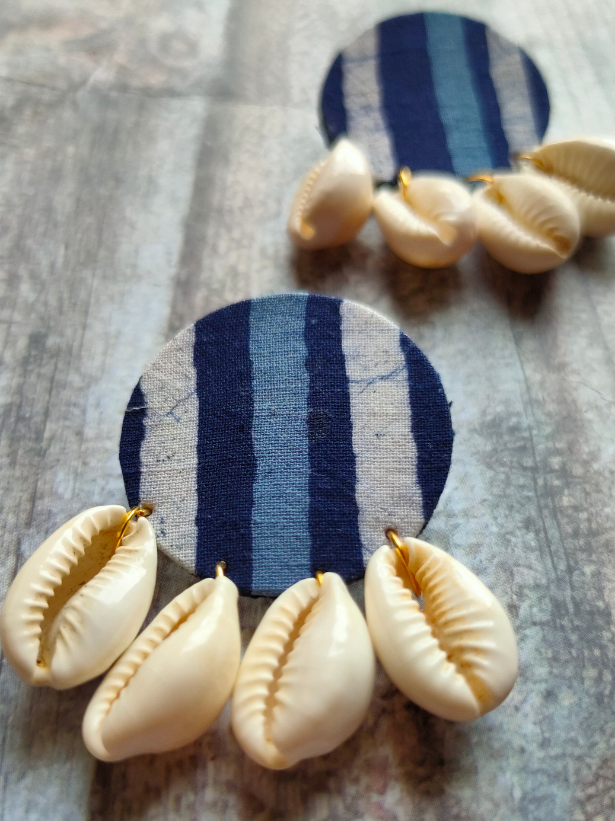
280 383
458 104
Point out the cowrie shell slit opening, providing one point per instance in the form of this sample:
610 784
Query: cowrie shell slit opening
306 680
172 683
526 222
584 167
457 656
79 600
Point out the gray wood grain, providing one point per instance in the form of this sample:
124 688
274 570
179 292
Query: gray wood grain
148 156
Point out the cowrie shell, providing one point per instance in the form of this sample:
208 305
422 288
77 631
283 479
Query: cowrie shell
333 201
173 681
526 222
307 677
431 224
77 602
456 658
585 168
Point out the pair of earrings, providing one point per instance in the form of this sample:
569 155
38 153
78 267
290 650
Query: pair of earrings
530 220
306 680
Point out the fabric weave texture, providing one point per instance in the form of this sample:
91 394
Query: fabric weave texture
283 435
435 91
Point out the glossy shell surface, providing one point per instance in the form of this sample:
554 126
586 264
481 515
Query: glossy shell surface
456 658
585 168
333 201
307 677
431 224
526 222
174 680
78 602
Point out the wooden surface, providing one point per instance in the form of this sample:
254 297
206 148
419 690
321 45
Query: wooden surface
148 155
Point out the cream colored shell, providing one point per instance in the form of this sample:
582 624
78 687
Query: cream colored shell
456 658
174 680
333 201
77 602
432 224
526 222
585 168
307 677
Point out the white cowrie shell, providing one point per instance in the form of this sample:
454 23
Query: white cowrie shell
456 658
307 677
585 168
77 602
173 681
526 222
333 201
430 222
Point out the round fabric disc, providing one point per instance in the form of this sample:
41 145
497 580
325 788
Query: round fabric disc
435 91
283 435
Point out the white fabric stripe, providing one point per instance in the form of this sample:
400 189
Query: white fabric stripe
388 492
365 119
169 449
511 88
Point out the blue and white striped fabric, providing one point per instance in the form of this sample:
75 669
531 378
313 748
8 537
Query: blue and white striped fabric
283 435
435 91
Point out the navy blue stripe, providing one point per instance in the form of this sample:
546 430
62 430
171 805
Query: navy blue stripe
477 52
133 434
539 96
333 511
225 459
332 108
408 97
431 425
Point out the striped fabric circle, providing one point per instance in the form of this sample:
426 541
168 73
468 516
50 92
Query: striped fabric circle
435 91
283 435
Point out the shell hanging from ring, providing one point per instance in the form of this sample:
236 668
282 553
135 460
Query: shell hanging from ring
456 657
80 599
307 677
174 680
429 221
526 222
585 169
333 201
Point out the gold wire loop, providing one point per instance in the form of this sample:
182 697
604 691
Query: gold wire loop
402 552
138 511
404 177
534 160
319 576
480 178
220 569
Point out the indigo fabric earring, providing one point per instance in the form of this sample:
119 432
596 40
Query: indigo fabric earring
80 599
456 657
307 677
172 683
333 201
428 221
291 429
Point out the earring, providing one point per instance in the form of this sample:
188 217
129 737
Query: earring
333 201
585 170
80 599
307 677
525 221
428 221
456 657
172 683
